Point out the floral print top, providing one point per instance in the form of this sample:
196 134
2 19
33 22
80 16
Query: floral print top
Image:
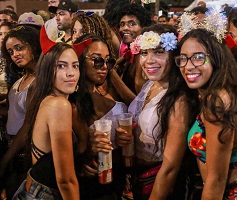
197 141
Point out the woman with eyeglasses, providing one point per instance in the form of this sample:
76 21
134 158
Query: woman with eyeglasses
208 67
163 112
93 102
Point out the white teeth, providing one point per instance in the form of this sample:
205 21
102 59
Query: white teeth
192 75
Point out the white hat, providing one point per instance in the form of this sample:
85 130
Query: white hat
31 18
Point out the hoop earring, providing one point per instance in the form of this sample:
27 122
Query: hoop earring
76 89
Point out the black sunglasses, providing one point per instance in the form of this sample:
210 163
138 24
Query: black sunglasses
99 62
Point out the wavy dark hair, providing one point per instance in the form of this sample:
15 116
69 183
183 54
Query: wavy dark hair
232 17
94 24
44 81
177 89
27 35
223 78
113 9
82 98
138 11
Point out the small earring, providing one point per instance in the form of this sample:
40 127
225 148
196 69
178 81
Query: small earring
76 88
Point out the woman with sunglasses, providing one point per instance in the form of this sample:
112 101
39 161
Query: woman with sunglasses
207 66
162 113
93 102
91 23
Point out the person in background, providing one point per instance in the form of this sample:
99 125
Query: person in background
51 25
91 23
43 13
163 19
7 15
131 21
232 23
31 19
173 21
232 30
50 141
10 7
4 29
21 51
65 12
199 11
155 18
112 10
207 66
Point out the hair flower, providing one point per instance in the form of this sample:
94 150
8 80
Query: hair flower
135 46
149 40
169 41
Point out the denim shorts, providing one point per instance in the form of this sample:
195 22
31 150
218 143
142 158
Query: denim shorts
37 191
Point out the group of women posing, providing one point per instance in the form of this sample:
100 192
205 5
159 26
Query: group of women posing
189 95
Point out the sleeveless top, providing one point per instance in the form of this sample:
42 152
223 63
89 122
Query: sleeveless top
197 141
146 118
17 107
118 109
43 170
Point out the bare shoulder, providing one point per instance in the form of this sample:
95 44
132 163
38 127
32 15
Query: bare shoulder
56 103
182 103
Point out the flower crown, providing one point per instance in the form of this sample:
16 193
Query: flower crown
150 40
214 22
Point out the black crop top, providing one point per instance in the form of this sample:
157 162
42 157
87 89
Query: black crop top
43 170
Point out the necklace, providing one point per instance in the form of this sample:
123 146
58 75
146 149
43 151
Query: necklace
98 91
154 91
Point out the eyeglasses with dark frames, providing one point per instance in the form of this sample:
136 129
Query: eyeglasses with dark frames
99 62
197 59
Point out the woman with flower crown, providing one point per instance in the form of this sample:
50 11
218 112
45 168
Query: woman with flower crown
163 112
207 66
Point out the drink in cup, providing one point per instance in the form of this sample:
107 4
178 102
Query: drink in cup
125 122
104 159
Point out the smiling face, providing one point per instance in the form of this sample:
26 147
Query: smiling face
155 63
20 52
66 74
129 28
96 49
195 77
